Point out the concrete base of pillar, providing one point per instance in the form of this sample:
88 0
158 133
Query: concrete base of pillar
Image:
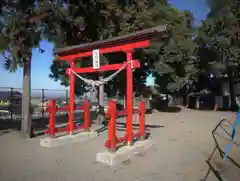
124 153
67 139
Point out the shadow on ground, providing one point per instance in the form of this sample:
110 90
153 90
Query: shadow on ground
122 127
38 125
7 126
165 108
170 109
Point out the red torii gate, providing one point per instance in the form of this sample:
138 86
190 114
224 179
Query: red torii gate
126 44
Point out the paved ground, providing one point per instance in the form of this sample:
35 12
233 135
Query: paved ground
183 144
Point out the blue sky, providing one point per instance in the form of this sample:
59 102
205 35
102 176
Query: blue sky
41 62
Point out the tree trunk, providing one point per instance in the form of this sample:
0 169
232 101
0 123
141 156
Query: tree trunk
26 126
101 113
231 89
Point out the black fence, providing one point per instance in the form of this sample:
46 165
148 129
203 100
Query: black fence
209 102
11 102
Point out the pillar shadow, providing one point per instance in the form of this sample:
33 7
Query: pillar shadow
170 109
123 126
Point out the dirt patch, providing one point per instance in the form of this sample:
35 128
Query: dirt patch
183 142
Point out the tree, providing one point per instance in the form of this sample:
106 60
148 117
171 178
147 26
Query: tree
23 25
100 20
218 42
175 69
107 18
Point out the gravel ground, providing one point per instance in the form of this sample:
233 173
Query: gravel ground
183 144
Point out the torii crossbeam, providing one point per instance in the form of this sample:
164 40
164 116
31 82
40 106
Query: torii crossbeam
126 44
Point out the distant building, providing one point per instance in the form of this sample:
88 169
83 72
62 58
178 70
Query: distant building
10 102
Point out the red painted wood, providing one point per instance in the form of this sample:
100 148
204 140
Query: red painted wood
112 126
124 47
52 110
129 99
124 112
128 49
52 118
72 101
121 140
66 108
135 63
87 122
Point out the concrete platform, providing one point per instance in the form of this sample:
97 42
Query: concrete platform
124 153
67 139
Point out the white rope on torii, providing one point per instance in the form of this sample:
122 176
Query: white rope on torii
97 83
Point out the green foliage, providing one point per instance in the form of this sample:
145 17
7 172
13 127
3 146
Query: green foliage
175 69
218 38
176 62
218 42
23 26
109 18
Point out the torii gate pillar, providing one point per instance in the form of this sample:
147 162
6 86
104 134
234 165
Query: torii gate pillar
126 44
72 100
129 97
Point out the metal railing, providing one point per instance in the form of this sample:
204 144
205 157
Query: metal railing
11 102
